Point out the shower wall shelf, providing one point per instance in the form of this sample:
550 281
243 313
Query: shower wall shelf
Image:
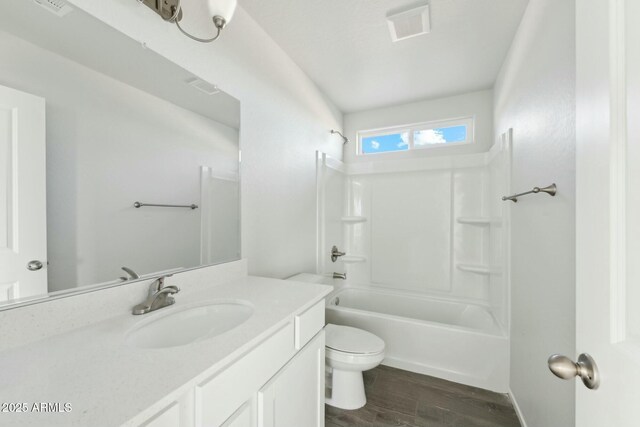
352 259
478 220
353 219
471 268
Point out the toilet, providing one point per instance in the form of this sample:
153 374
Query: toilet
349 352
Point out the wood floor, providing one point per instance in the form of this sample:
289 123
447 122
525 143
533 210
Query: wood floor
401 398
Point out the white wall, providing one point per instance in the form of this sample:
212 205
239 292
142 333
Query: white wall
285 118
535 95
476 104
103 154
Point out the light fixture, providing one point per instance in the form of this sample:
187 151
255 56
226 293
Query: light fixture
221 12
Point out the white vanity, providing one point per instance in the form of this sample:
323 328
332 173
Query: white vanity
267 371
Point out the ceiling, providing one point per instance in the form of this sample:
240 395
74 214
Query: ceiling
345 47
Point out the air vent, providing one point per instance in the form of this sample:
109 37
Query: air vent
409 23
203 86
57 7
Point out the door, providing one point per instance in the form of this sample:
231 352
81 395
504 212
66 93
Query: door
23 242
608 209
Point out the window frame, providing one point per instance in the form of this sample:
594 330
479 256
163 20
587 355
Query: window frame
468 121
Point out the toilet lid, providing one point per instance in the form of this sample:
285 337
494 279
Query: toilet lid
352 340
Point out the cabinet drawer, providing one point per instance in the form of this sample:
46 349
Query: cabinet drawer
308 323
219 397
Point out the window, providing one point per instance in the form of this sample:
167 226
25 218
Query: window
384 143
415 137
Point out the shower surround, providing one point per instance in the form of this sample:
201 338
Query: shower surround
426 244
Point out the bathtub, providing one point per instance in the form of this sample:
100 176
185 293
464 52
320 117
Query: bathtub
450 340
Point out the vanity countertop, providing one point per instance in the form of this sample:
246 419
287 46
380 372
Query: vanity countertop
108 382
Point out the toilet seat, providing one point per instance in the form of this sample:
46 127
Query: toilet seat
352 341
354 360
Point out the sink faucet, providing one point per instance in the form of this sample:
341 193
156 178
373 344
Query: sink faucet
132 274
159 297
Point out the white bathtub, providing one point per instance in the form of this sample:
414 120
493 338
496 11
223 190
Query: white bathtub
450 340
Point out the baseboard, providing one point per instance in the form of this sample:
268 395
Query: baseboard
523 423
492 384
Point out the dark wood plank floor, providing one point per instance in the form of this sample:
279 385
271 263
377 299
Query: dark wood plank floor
400 398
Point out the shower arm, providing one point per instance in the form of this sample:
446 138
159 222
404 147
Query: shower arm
345 140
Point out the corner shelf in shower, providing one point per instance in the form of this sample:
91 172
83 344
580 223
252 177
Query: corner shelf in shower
353 219
479 220
352 259
474 268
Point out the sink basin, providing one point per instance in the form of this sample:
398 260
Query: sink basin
189 325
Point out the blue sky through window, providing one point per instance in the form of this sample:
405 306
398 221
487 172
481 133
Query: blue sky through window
422 135
385 143
445 135
454 133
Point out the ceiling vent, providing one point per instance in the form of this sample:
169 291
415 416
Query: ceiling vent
57 7
409 23
203 86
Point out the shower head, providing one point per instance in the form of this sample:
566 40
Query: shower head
345 140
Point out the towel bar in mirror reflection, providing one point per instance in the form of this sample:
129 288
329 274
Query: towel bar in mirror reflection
155 205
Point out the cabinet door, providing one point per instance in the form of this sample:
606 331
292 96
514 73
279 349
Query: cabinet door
295 396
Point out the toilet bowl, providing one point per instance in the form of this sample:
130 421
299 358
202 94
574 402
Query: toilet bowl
349 352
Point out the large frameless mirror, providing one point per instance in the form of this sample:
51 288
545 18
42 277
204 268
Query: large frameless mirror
115 163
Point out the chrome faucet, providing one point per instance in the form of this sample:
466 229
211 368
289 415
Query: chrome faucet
335 254
342 276
132 275
159 297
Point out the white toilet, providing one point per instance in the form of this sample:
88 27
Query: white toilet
349 352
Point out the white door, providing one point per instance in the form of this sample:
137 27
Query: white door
608 209
23 242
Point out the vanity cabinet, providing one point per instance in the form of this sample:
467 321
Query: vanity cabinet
291 398
277 383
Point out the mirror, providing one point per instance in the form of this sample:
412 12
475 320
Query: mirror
88 127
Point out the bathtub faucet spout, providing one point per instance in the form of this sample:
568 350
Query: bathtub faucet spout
342 276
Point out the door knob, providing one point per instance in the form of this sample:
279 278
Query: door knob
34 265
586 368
